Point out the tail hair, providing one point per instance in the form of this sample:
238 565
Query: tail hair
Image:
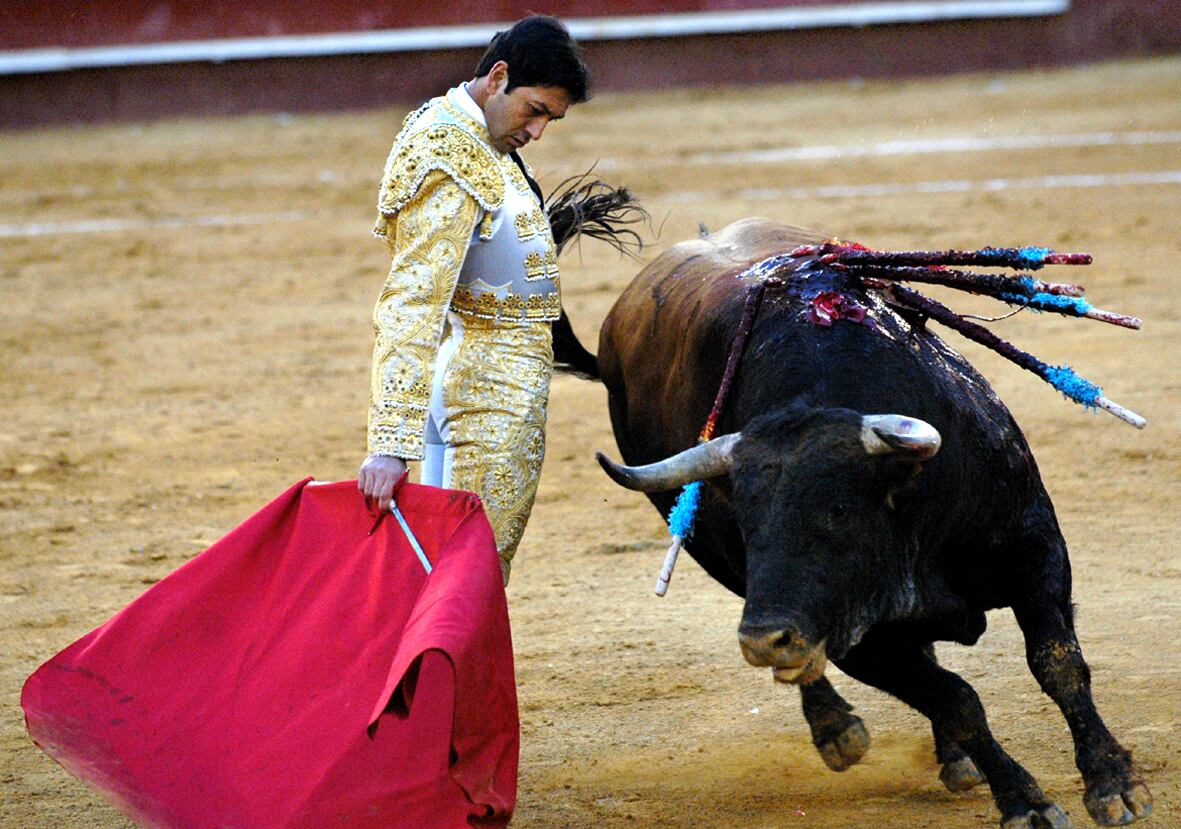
585 206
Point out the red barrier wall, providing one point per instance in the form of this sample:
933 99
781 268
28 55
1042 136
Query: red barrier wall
25 24
1091 30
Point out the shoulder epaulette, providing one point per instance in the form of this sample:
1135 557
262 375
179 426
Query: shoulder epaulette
441 145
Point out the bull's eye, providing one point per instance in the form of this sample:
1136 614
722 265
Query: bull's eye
758 481
831 519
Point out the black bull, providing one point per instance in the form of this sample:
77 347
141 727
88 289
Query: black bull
849 540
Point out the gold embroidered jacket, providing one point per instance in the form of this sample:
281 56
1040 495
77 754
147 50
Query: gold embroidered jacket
465 234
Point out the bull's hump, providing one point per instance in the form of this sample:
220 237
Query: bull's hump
731 250
747 241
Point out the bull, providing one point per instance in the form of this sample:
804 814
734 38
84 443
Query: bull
869 495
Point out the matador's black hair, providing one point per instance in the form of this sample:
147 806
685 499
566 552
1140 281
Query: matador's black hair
539 52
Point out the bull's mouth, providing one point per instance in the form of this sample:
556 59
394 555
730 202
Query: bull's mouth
804 673
791 658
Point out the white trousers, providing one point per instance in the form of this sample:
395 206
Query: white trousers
438 457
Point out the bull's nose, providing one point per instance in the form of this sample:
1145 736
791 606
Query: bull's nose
793 658
776 648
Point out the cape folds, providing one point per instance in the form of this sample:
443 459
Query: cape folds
302 672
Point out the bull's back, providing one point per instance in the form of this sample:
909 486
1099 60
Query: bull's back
675 321
674 280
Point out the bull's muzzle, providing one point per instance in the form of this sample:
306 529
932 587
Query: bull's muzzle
792 658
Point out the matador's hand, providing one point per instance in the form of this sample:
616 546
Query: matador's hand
377 477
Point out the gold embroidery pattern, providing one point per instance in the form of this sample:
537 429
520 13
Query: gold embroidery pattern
495 395
531 223
462 152
431 237
513 307
541 265
517 177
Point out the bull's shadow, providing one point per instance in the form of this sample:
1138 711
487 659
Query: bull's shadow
869 495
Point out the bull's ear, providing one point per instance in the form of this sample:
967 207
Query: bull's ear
883 434
901 471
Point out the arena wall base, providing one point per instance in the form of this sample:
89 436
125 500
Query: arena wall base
1091 30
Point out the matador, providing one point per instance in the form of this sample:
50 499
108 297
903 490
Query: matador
463 353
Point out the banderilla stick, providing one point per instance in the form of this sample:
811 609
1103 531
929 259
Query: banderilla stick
1062 378
967 280
1027 258
1052 297
670 561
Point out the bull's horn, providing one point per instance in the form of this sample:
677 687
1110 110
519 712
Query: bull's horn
894 433
706 460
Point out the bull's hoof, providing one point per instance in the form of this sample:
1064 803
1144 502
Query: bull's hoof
1046 817
846 748
960 775
1121 807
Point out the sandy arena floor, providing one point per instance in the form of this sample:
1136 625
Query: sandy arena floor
184 332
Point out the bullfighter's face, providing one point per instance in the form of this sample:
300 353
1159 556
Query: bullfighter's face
825 557
515 118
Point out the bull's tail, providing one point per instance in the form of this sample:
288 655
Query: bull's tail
570 357
583 206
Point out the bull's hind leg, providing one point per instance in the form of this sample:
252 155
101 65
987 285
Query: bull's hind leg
902 668
1115 793
839 736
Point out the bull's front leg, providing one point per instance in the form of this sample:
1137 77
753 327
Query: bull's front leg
839 735
1115 793
842 739
957 772
903 669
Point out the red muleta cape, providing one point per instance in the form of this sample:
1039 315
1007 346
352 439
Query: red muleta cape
302 673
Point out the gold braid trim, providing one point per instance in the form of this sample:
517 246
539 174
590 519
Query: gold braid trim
545 307
440 146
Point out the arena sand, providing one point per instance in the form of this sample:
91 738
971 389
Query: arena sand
185 332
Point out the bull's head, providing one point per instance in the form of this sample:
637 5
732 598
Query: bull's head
827 555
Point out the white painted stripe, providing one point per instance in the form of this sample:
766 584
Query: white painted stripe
122 225
834 191
818 152
861 191
815 17
458 37
931 146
